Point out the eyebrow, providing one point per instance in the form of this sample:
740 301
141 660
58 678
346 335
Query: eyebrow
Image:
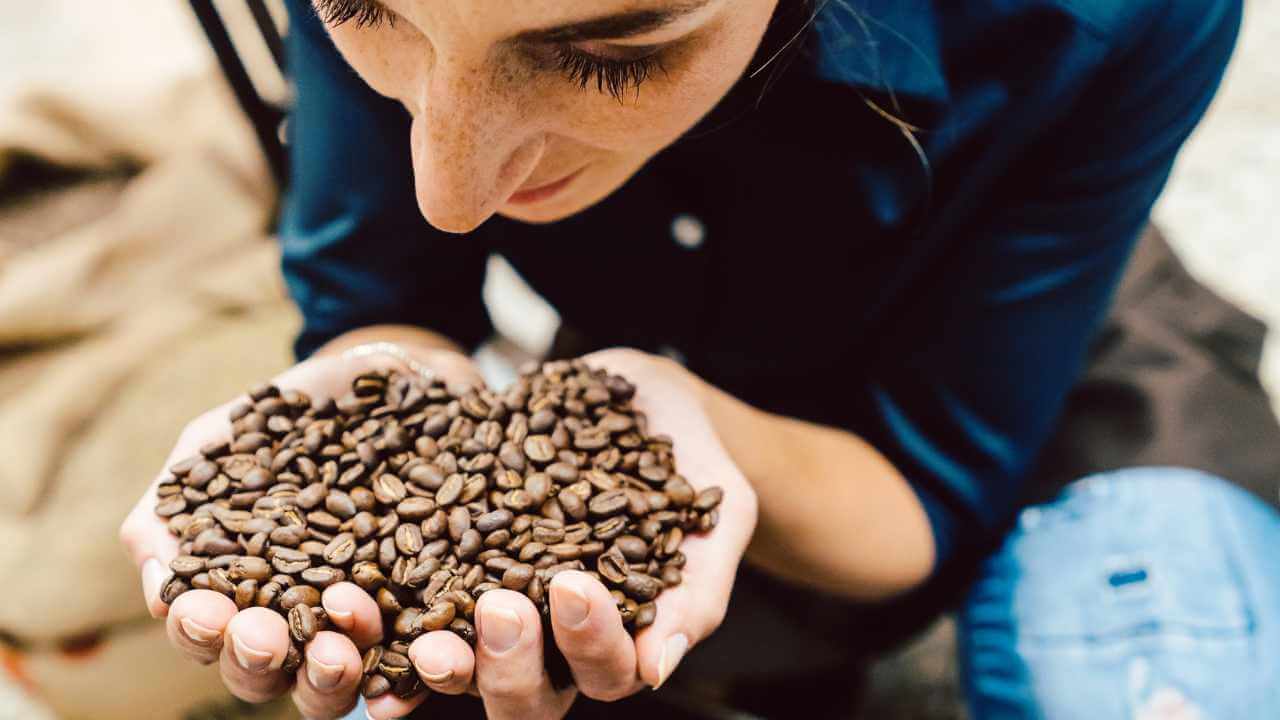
622 25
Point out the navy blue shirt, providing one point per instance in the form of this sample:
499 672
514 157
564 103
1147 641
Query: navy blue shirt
940 308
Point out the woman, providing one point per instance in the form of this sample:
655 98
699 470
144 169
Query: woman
876 236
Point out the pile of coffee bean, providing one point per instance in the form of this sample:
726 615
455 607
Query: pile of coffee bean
427 496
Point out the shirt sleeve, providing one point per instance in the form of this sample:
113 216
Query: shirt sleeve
356 250
969 382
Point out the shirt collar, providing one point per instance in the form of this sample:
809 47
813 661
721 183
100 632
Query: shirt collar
883 45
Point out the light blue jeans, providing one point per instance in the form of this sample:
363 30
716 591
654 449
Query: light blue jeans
1145 594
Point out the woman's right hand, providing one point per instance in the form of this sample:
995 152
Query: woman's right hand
250 645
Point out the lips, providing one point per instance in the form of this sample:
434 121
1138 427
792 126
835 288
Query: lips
542 192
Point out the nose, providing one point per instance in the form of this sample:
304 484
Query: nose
471 147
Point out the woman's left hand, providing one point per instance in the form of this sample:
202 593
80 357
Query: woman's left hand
606 662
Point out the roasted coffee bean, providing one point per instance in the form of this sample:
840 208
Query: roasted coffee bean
539 448
496 520
451 490
671 576
415 508
607 503
267 595
437 617
708 499
459 522
187 565
645 615
299 595
250 568
292 661
641 587
517 576
220 581
172 588
290 561
405 624
372 658
375 686
322 577
388 489
340 505
409 539
368 576
302 624
340 549
246 592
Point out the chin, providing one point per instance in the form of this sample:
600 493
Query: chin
540 215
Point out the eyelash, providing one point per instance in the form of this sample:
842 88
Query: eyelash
612 77
362 12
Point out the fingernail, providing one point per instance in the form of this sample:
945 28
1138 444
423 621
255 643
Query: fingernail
672 652
437 678
198 633
500 629
252 660
154 576
338 617
322 675
369 716
432 676
569 604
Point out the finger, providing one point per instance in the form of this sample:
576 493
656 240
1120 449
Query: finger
252 653
509 671
196 623
389 707
353 612
444 661
588 629
329 677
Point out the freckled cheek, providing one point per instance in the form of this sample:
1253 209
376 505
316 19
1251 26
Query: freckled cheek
657 118
390 66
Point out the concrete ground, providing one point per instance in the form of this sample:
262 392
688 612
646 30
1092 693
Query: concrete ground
1220 209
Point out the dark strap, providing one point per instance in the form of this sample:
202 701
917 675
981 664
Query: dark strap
263 116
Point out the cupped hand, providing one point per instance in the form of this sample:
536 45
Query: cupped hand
250 645
607 663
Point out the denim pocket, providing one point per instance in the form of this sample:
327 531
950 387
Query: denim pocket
1142 553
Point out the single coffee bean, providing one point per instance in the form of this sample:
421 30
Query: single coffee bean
372 658
368 576
322 577
290 561
607 503
172 588
539 448
517 576
299 595
437 617
187 565
409 539
708 499
459 522
641 587
246 592
292 661
375 686
340 549
495 520
250 568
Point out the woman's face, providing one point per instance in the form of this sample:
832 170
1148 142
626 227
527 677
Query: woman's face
537 109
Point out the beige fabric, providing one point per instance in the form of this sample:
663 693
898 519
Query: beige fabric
148 300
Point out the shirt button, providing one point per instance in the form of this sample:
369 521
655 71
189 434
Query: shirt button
672 353
688 231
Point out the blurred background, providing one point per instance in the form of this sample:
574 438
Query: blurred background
138 287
